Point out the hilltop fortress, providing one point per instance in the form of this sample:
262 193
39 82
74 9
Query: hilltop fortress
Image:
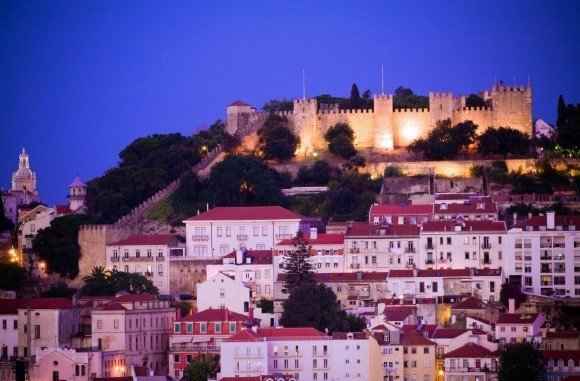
384 127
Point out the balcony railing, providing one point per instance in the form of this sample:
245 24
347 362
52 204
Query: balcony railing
137 259
486 261
429 246
160 258
354 250
410 265
194 347
469 369
242 237
486 245
429 261
410 250
200 237
148 273
115 259
355 265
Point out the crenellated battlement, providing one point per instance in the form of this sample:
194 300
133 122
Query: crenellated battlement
505 89
385 96
480 108
284 113
307 101
440 95
411 110
348 111
94 227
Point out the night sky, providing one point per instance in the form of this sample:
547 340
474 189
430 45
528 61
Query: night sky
80 80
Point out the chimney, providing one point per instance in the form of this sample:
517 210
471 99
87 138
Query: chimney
550 220
512 306
313 233
530 215
515 218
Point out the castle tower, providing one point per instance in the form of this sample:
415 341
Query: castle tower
305 126
77 195
24 179
239 114
512 107
440 107
383 112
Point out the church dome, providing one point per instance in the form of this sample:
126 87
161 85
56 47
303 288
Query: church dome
77 182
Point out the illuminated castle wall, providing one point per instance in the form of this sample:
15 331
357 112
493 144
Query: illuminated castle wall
386 128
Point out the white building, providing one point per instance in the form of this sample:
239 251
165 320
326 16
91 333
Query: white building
544 252
223 291
9 332
147 255
253 268
221 230
543 128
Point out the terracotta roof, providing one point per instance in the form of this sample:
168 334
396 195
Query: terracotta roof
458 272
62 209
306 333
428 328
128 298
146 239
77 182
215 314
344 335
562 334
258 257
10 306
256 378
467 208
537 221
380 327
413 338
114 306
48 304
466 226
471 350
470 303
562 355
322 239
252 213
517 318
448 333
398 313
239 103
402 210
344 277
383 230
454 196
482 320
400 273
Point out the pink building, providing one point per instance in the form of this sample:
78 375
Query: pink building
400 214
512 327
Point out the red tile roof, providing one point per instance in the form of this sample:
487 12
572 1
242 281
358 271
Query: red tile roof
10 306
562 334
383 230
398 313
413 338
471 350
252 213
63 209
466 226
114 306
470 303
258 257
345 277
537 221
322 239
215 314
128 298
453 196
48 304
448 333
562 355
149 239
344 335
293 334
517 318
471 208
402 210
482 320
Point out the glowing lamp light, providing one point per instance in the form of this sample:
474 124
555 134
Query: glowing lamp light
410 132
440 372
315 154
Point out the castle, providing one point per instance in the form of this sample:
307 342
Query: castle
384 127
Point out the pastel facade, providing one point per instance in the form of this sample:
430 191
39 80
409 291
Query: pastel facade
471 362
219 231
515 328
223 291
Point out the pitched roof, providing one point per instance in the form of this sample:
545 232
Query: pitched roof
47 304
470 303
482 320
239 103
402 210
321 239
383 230
345 277
252 213
562 334
413 338
263 334
215 314
144 239
471 350
10 306
467 208
448 333
465 226
562 355
535 222
114 306
128 298
77 182
344 335
62 209
517 318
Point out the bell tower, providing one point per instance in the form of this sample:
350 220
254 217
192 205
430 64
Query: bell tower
77 195
24 179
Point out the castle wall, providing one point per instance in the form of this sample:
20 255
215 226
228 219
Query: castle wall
185 274
410 124
482 116
361 121
512 107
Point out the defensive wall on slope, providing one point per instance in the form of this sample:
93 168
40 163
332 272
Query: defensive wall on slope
385 127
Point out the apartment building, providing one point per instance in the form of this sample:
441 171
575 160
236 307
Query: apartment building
400 214
471 362
224 291
219 231
147 255
544 254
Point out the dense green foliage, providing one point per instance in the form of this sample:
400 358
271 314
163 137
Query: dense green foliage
13 276
445 141
266 305
320 173
568 123
405 98
57 244
474 100
276 139
504 142
511 291
104 282
147 165
278 105
201 367
340 139
315 305
521 362
60 290
5 222
297 266
243 180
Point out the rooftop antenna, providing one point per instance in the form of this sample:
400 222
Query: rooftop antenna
383 79
303 85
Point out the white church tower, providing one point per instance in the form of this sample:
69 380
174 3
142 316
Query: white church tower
24 179
77 195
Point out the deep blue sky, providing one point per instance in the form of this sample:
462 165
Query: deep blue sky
81 80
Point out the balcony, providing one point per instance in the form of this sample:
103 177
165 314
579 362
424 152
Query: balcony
242 237
148 274
283 236
200 237
486 261
195 347
115 259
354 250
429 262
410 265
486 245
456 369
160 258
410 250
137 259
430 246
355 265
545 258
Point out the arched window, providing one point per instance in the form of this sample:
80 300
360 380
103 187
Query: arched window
83 370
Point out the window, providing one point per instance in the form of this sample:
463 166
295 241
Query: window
175 358
202 327
426 350
99 324
37 331
232 327
264 230
219 231
189 327
218 327
176 327
228 231
4 324
256 231
116 323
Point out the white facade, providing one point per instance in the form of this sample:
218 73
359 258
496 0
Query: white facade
9 336
545 252
221 291
221 230
542 128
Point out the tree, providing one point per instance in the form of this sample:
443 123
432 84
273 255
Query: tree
266 305
60 290
511 291
354 99
562 112
5 222
445 141
474 100
367 94
276 140
320 173
503 141
405 98
243 180
58 246
521 362
200 368
104 282
314 305
13 276
340 139
569 131
297 265
463 134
